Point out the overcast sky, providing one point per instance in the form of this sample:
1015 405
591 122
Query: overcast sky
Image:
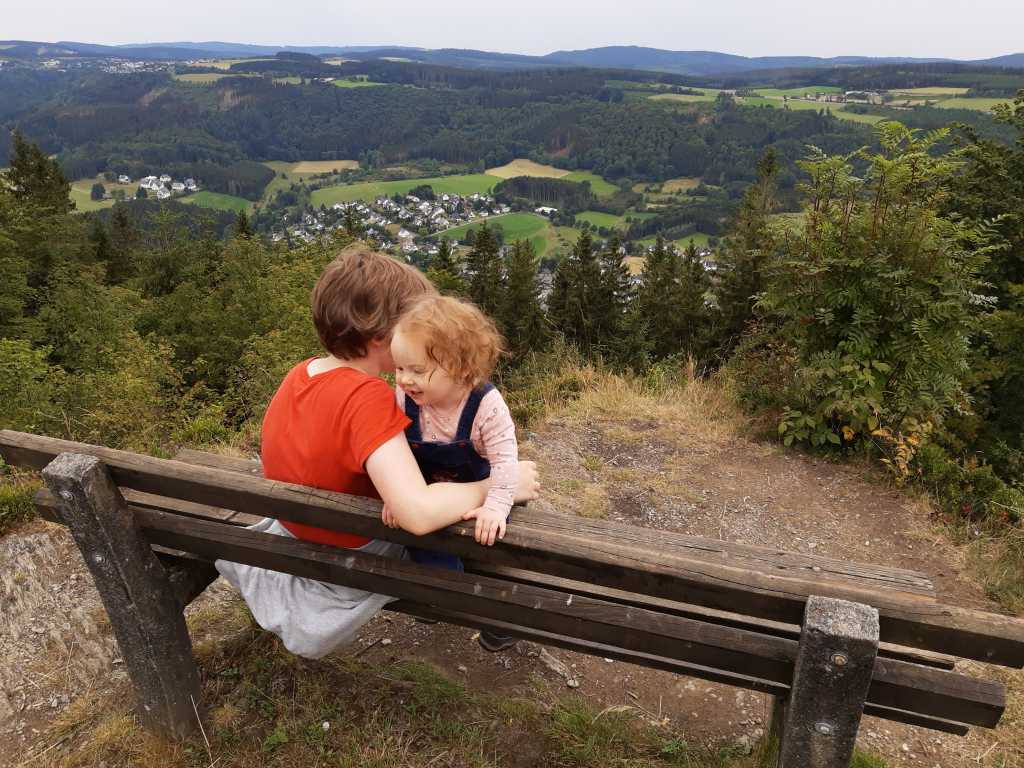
946 28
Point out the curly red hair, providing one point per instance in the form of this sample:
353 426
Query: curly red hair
457 336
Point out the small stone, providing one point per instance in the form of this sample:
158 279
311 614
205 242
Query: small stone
572 682
325 725
905 747
744 745
386 641
463 668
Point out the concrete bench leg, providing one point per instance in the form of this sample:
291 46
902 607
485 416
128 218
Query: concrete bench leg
143 609
834 665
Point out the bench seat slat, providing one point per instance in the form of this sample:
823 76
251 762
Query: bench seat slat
45 504
930 692
711 550
910 620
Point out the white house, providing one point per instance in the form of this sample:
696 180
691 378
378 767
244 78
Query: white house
165 178
122 179
163 193
547 210
190 185
177 187
149 182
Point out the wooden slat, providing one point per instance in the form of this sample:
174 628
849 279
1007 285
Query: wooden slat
536 543
711 550
779 690
45 505
930 692
725 618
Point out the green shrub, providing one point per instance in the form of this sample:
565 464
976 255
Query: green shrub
16 501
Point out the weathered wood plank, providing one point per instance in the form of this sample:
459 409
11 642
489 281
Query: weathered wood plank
655 662
44 503
838 645
535 543
712 550
139 599
726 618
931 692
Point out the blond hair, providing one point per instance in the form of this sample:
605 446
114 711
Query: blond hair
360 297
457 336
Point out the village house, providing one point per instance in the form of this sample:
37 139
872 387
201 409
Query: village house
122 179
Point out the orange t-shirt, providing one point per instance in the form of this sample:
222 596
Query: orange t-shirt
320 430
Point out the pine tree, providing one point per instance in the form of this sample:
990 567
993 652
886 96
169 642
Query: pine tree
693 318
575 295
657 297
350 220
444 272
521 318
241 226
612 302
484 267
744 256
124 238
35 178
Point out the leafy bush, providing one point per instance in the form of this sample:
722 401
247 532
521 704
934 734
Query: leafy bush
877 296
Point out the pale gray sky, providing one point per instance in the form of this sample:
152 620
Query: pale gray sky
946 28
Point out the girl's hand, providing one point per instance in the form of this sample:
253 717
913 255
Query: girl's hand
528 488
490 525
388 517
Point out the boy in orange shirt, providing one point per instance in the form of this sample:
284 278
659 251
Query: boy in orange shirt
334 424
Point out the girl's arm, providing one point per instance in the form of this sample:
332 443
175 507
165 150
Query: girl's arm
420 508
496 434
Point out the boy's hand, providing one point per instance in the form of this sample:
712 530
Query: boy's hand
528 488
490 525
388 517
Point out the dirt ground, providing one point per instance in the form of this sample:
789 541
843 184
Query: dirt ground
56 647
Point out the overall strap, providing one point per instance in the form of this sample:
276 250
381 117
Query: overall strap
413 432
469 411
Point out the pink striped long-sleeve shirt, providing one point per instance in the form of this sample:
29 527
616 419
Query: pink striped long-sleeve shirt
493 435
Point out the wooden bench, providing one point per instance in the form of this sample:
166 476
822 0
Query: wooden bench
829 639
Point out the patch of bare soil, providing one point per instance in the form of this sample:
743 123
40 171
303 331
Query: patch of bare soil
56 646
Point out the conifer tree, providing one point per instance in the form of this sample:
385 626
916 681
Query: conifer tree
444 272
35 178
353 226
656 300
521 318
575 295
241 226
612 302
123 240
743 259
484 267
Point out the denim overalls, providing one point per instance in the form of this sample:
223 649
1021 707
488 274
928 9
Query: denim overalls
455 462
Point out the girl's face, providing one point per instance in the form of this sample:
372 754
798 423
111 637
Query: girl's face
421 378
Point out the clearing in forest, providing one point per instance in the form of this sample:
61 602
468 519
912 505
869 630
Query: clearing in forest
81 193
522 167
217 200
462 184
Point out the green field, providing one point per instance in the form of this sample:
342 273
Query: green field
599 219
978 103
216 200
598 185
698 238
710 94
797 93
547 240
465 184
81 191
516 226
357 83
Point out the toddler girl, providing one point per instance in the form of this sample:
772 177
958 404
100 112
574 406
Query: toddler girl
444 351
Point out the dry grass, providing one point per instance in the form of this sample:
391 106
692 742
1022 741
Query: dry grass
324 166
527 168
680 185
